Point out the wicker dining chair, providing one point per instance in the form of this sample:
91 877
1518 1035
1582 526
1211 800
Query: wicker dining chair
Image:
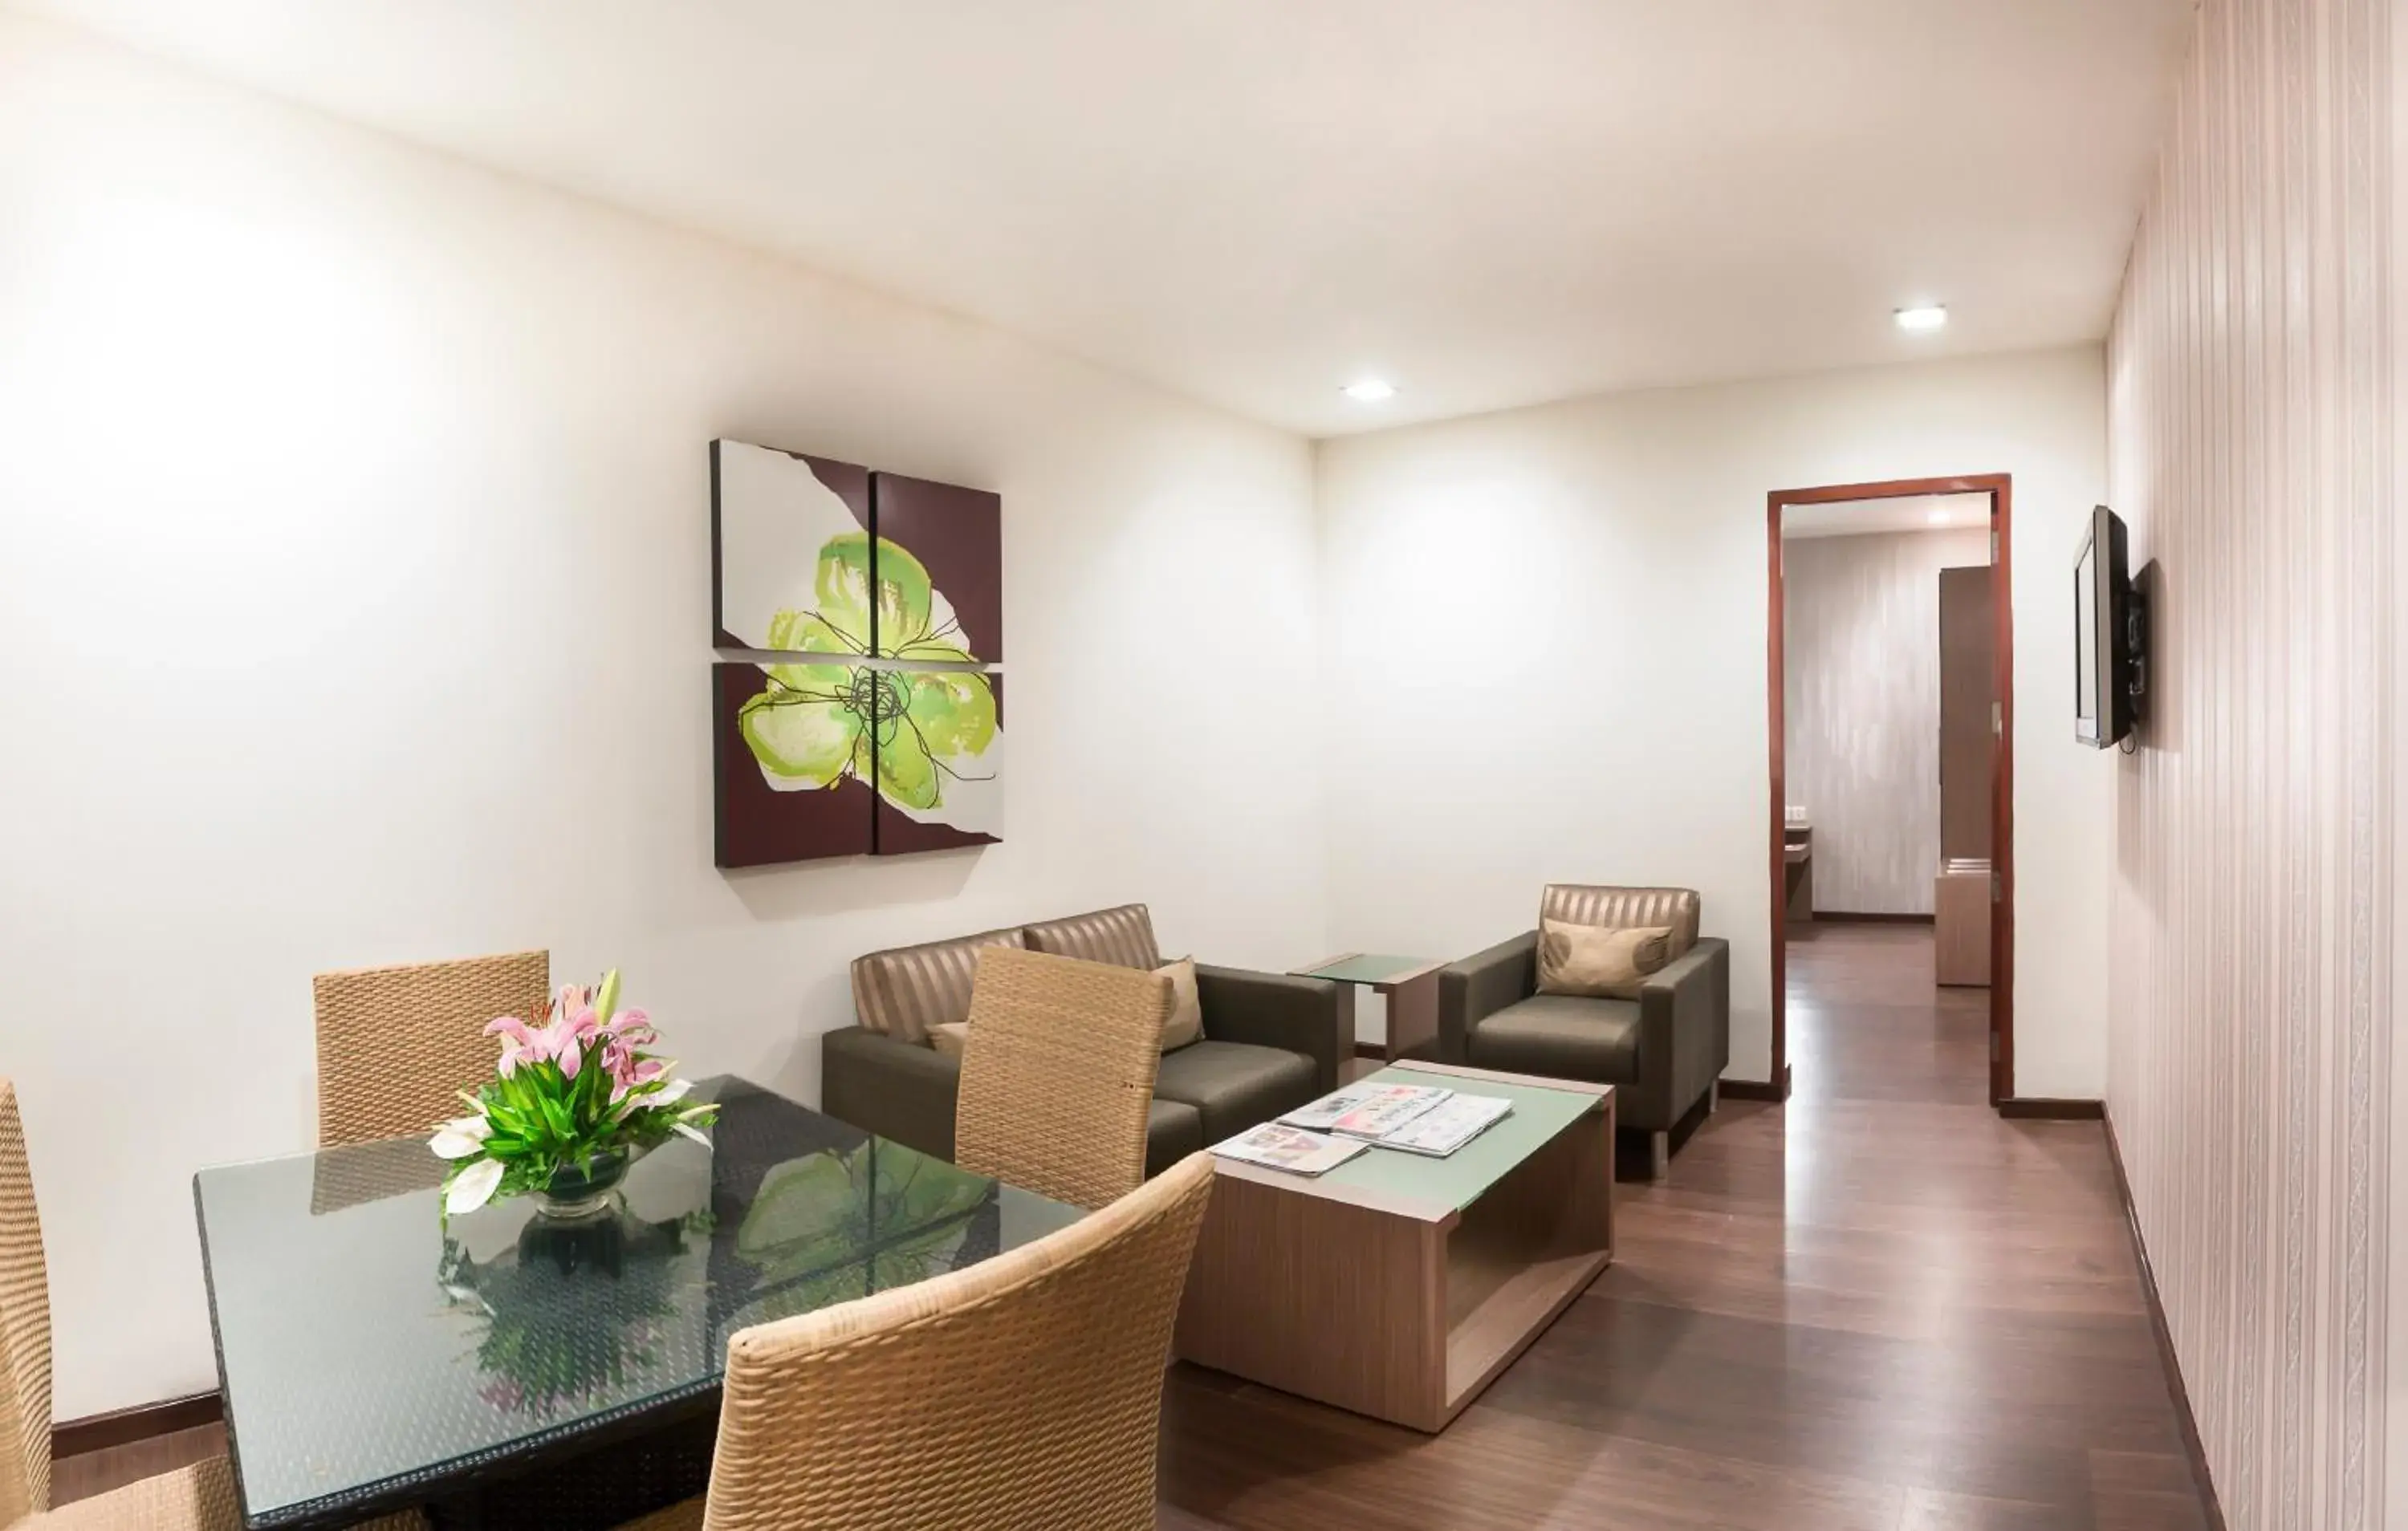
200 1497
396 1044
1024 1391
1057 1074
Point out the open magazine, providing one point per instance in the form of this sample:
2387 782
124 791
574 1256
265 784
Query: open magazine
1367 1110
1291 1149
1416 1118
1448 1126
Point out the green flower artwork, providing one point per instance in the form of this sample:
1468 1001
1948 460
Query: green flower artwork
908 733
866 714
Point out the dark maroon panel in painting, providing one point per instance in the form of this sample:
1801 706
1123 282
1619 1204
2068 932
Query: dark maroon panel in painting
957 535
757 824
849 482
973 785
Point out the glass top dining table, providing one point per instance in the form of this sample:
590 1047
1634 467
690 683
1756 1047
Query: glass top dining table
374 1356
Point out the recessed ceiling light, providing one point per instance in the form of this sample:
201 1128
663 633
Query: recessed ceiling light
1923 316
1370 390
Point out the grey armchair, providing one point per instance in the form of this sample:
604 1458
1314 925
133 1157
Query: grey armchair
1663 1051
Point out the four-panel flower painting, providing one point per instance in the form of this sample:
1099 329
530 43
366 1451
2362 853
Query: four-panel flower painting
866 717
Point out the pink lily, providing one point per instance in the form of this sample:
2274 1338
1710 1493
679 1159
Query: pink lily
563 1041
517 1041
630 1072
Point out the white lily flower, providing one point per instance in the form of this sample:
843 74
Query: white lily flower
473 1187
673 1090
689 1130
460 1139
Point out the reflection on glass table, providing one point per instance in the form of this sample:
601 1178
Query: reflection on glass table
373 1356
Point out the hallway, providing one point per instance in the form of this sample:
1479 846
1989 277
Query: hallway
1918 1318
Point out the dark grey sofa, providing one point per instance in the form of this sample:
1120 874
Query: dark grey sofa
1663 1051
1271 1042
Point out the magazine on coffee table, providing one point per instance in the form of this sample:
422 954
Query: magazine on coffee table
1367 1110
1448 1126
1276 1147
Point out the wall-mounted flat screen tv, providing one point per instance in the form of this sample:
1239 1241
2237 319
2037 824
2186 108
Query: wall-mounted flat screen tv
2110 635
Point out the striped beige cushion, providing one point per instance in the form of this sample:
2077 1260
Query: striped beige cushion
1121 938
1622 909
906 991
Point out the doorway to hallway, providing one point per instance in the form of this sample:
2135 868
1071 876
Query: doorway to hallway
1890 741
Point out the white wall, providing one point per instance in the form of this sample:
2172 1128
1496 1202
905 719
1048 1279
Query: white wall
2254 407
1860 667
355 608
1545 659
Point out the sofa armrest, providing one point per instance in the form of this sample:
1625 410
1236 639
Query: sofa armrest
1271 1010
897 1090
1480 986
1685 1030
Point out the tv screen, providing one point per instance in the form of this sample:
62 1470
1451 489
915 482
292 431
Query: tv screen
2108 677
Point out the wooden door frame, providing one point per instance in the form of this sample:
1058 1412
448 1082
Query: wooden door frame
2000 488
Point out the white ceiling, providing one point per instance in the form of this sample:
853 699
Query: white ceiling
1255 201
1904 513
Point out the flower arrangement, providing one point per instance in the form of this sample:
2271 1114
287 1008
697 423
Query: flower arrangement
574 1100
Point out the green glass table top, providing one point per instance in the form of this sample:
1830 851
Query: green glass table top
1464 1176
1368 967
374 1353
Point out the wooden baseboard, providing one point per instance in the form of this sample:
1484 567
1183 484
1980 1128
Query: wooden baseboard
2192 1446
124 1426
2041 1108
1758 1089
1842 917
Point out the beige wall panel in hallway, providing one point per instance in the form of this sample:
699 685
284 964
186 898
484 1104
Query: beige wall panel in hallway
2252 416
1861 684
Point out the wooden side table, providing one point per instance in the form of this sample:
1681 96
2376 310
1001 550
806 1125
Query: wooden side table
1409 985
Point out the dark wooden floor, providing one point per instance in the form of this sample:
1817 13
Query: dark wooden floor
81 1477
1878 1308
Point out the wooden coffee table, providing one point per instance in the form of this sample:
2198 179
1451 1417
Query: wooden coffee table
1398 1286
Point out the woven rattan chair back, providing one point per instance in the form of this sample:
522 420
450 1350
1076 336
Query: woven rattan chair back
24 1330
1057 1076
1024 1391
396 1044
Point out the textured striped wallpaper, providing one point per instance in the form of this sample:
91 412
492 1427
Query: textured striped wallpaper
2251 416
1861 684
